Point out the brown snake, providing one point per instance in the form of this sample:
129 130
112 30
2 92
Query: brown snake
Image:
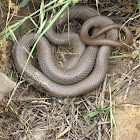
85 73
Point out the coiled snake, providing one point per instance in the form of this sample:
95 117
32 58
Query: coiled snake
81 74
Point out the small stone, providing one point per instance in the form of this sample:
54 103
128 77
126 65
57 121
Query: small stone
135 53
130 62
6 85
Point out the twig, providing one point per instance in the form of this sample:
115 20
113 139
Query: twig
13 93
127 90
89 103
103 93
64 132
1 10
68 53
85 104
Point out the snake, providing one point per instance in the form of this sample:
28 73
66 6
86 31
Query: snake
87 71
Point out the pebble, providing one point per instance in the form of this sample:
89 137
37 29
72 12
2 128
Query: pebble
6 85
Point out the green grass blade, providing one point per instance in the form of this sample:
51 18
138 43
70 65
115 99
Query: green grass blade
11 75
92 114
104 122
9 7
13 35
139 5
111 114
21 31
4 42
34 22
44 31
42 26
86 118
17 24
122 56
41 16
119 56
23 3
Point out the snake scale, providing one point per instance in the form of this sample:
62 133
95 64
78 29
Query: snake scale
82 73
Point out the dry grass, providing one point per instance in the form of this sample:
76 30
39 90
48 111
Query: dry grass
32 115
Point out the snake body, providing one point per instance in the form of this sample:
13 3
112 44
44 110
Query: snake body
80 77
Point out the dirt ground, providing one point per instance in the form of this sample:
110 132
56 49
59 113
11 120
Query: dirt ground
33 115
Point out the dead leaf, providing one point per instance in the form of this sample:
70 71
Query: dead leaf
8 44
3 51
137 31
15 8
3 57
